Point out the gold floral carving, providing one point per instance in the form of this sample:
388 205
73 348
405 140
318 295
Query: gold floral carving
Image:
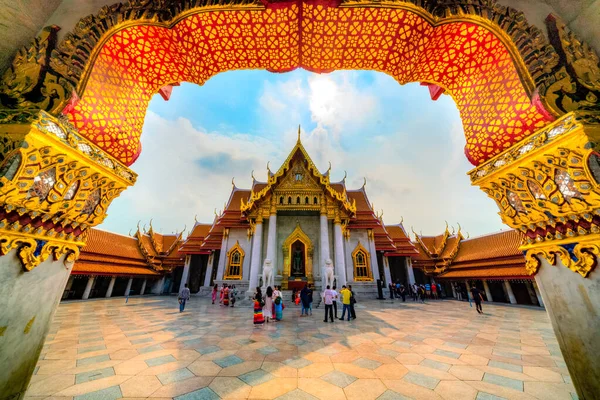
29 254
583 261
575 82
54 186
548 187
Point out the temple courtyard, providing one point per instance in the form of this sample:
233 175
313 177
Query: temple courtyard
110 349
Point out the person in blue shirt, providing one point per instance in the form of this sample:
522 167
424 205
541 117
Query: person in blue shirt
428 290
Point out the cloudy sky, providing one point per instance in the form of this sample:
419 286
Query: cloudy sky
409 148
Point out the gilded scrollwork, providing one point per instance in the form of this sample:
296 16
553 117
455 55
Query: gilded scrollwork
581 257
55 185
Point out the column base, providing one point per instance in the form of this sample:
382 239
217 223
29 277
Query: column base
573 305
28 301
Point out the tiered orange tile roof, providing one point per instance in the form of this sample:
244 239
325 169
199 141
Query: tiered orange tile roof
436 253
160 251
193 243
107 253
494 256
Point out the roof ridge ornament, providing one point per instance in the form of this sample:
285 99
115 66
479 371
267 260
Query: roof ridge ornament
233 183
299 141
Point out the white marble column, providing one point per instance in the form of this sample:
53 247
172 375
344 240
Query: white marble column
158 286
468 290
324 245
537 293
209 269
111 285
128 289
340 264
186 272
223 256
409 271
373 251
387 272
88 288
488 294
511 295
255 262
272 242
143 287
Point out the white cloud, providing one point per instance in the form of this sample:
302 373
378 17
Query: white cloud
186 170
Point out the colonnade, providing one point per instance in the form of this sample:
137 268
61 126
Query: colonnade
509 294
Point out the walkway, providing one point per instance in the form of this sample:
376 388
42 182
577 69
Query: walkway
106 349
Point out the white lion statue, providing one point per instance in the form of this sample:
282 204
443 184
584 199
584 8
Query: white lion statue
328 273
267 273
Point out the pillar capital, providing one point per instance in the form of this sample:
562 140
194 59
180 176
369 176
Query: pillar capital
54 186
548 187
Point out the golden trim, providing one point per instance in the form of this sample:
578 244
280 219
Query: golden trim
297 234
228 274
361 249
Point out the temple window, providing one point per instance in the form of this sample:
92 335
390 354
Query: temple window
298 200
289 199
316 200
306 200
235 259
362 267
281 200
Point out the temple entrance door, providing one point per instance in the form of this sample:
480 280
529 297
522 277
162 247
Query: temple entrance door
298 265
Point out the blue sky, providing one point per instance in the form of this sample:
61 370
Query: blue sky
408 147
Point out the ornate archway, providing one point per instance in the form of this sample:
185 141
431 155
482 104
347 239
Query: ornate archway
297 235
529 106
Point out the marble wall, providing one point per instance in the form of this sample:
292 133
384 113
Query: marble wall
28 301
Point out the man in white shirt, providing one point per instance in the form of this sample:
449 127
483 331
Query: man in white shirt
336 297
328 299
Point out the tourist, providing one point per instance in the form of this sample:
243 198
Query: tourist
221 294
232 295
258 306
352 301
214 293
422 293
278 304
183 297
310 298
391 289
328 299
335 301
434 291
268 307
402 291
477 298
458 291
294 292
305 300
297 298
428 290
277 293
397 287
415 292
226 295
346 294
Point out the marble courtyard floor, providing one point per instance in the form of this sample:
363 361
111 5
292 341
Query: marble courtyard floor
106 349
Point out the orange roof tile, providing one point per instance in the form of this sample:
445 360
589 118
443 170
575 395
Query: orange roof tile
501 244
108 269
112 244
485 273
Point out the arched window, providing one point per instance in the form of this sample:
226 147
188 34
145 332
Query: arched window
235 260
281 200
306 200
362 264
298 200
316 200
289 199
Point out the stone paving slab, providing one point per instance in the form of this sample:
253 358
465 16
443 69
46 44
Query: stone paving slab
106 349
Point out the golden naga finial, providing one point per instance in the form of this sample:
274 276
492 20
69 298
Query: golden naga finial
364 183
344 178
459 228
413 231
252 175
453 231
129 234
401 220
233 182
468 235
446 231
196 218
269 169
328 169
298 133
216 215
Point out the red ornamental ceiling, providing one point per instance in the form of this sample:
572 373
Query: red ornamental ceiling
467 60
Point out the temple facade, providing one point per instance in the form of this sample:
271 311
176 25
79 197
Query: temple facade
294 229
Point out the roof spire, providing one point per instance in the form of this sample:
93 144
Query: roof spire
233 182
298 133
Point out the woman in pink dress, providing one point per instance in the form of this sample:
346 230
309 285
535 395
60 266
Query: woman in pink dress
214 293
268 307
